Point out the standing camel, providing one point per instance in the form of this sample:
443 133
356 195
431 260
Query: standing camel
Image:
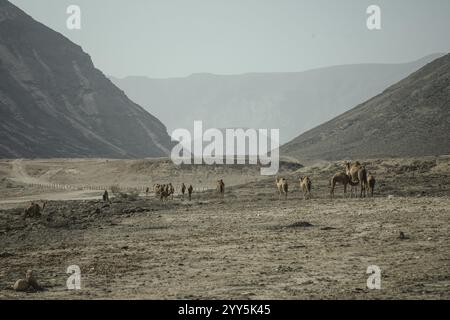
190 190
362 177
183 189
221 188
171 190
343 179
370 184
282 187
357 173
305 186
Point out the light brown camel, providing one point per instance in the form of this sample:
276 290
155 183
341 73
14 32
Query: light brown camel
282 187
221 188
370 184
171 190
305 186
357 173
362 177
27 284
343 179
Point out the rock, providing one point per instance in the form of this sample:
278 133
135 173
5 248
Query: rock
402 236
6 254
300 224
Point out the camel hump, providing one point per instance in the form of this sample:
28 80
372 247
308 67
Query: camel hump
21 285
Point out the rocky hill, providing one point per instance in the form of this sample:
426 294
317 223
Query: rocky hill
411 118
293 102
55 103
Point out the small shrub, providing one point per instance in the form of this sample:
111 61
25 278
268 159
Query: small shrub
115 189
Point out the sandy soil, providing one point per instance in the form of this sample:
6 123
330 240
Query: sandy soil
250 245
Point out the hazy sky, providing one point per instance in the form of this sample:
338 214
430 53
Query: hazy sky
175 38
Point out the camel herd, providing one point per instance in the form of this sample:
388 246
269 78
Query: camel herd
166 191
354 175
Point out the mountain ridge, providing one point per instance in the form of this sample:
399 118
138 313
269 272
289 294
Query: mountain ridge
410 118
55 103
294 102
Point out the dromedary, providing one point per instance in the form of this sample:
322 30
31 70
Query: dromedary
34 210
305 186
171 190
282 187
183 189
190 190
370 184
357 173
343 179
29 283
221 188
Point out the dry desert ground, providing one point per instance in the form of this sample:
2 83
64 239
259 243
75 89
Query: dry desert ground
248 245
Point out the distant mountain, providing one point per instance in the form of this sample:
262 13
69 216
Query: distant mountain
293 102
411 118
55 103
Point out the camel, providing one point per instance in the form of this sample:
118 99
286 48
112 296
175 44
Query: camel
34 210
282 187
221 188
106 196
27 284
351 169
183 189
362 177
162 191
171 190
357 173
370 184
157 189
305 186
342 178
190 190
